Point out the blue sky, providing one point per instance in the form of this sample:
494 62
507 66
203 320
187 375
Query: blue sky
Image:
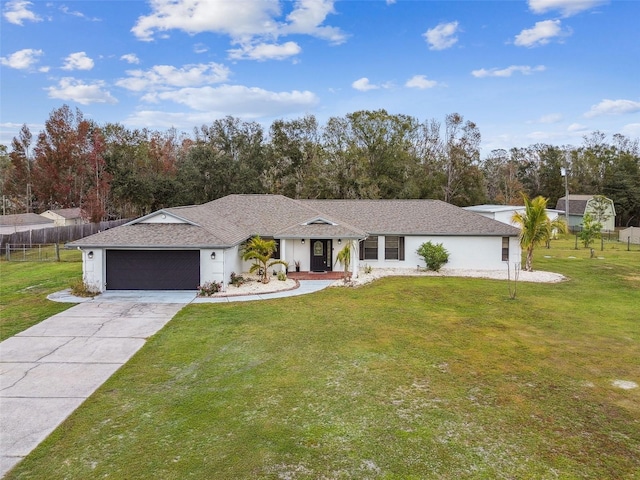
525 71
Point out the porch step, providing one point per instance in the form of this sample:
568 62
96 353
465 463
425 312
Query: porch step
315 275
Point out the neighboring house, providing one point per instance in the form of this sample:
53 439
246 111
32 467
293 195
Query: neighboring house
64 216
181 248
579 205
23 222
504 213
630 234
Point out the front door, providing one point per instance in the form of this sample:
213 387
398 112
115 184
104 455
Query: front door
320 255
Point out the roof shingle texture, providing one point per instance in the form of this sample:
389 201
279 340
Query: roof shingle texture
232 219
23 219
577 204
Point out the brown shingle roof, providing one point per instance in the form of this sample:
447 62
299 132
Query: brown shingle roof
232 219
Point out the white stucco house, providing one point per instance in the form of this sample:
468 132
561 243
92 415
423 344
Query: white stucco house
504 213
181 248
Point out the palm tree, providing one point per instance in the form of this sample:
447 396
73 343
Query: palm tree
261 252
344 257
555 226
533 226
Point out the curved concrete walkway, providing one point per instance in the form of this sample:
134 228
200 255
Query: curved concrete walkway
48 370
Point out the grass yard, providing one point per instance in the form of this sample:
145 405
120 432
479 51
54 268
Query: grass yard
405 378
24 287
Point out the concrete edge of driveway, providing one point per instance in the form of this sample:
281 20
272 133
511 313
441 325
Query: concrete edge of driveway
184 296
52 367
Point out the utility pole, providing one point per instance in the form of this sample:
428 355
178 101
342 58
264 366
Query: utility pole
28 198
564 171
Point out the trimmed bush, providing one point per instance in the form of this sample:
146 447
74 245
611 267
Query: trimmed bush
434 255
209 288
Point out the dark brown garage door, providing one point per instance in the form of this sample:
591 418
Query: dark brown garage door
153 269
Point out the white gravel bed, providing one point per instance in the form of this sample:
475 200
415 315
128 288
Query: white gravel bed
523 276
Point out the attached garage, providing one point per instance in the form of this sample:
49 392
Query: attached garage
152 269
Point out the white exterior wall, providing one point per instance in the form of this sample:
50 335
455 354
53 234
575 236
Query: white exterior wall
212 270
478 253
506 216
232 264
294 251
94 269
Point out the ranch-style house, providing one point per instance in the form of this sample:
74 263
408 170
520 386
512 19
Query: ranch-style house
183 247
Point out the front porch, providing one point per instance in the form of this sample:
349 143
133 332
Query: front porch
316 275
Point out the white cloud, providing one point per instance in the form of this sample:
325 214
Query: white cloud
76 90
442 36
550 118
197 16
631 130
22 59
164 120
200 48
264 51
566 7
577 127
75 13
248 102
18 11
130 58
167 76
613 107
507 72
78 61
364 85
307 18
421 82
541 34
243 25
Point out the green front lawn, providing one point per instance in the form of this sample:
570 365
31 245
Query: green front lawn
24 287
404 378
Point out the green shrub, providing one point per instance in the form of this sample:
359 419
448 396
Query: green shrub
209 288
282 276
236 279
80 289
434 255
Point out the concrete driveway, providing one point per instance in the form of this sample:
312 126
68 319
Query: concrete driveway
47 371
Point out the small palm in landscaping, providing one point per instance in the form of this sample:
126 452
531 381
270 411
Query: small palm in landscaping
261 252
533 226
344 257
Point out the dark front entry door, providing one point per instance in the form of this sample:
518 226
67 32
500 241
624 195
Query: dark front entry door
320 255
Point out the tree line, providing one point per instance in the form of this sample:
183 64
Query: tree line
114 172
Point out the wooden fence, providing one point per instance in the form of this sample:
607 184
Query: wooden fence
57 234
